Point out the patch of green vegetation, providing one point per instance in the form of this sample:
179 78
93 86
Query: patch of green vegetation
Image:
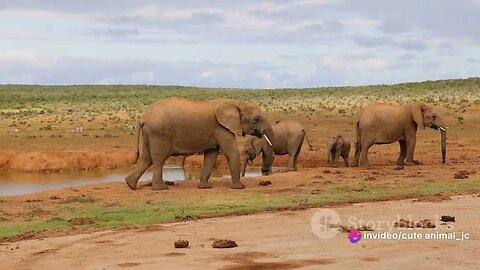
79 199
164 210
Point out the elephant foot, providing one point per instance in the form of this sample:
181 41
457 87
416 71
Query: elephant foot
334 165
205 185
131 182
400 162
237 185
161 186
409 163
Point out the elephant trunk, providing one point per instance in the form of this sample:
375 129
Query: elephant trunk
443 132
244 164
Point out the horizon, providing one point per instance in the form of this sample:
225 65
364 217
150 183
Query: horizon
241 88
248 44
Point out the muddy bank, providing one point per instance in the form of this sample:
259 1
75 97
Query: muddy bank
55 161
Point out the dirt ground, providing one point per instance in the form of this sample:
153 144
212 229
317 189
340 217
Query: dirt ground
290 245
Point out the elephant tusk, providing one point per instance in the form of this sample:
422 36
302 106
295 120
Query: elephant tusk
443 129
268 141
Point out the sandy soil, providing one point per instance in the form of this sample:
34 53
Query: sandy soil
280 240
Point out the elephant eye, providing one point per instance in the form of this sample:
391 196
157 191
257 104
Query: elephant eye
256 119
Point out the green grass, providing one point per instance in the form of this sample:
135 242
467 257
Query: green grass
150 212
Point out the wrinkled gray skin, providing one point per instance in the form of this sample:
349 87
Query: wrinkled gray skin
385 123
338 146
178 126
289 136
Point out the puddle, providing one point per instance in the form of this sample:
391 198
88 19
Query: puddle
16 183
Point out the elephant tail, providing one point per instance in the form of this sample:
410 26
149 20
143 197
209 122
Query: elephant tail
358 131
308 141
137 153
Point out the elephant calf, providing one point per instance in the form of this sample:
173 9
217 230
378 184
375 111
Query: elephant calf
338 146
289 136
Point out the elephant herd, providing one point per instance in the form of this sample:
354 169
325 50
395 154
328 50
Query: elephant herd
178 126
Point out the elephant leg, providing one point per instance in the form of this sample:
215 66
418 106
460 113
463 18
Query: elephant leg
159 153
403 152
336 157
410 150
358 150
230 149
364 153
295 158
345 160
144 163
291 162
209 159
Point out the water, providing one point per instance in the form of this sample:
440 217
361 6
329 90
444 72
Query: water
16 183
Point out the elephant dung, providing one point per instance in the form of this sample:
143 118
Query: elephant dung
224 243
461 175
265 183
447 219
426 223
181 244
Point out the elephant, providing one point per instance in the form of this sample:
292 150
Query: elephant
289 137
386 123
338 146
179 126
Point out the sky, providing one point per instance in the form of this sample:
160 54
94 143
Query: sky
238 43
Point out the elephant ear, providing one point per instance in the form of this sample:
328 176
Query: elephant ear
339 143
228 115
418 110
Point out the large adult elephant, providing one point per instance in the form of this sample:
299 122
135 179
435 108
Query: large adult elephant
289 137
178 126
385 123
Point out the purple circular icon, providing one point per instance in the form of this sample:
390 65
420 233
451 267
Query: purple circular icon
354 236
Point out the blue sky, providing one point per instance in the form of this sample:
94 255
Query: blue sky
249 43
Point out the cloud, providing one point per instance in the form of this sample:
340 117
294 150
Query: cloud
251 43
27 67
349 62
472 60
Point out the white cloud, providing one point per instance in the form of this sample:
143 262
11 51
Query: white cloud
26 58
354 62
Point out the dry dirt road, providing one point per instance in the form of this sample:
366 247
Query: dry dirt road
280 240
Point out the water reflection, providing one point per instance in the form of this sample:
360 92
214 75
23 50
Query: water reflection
16 183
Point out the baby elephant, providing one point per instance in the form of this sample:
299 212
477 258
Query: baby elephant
289 137
338 146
